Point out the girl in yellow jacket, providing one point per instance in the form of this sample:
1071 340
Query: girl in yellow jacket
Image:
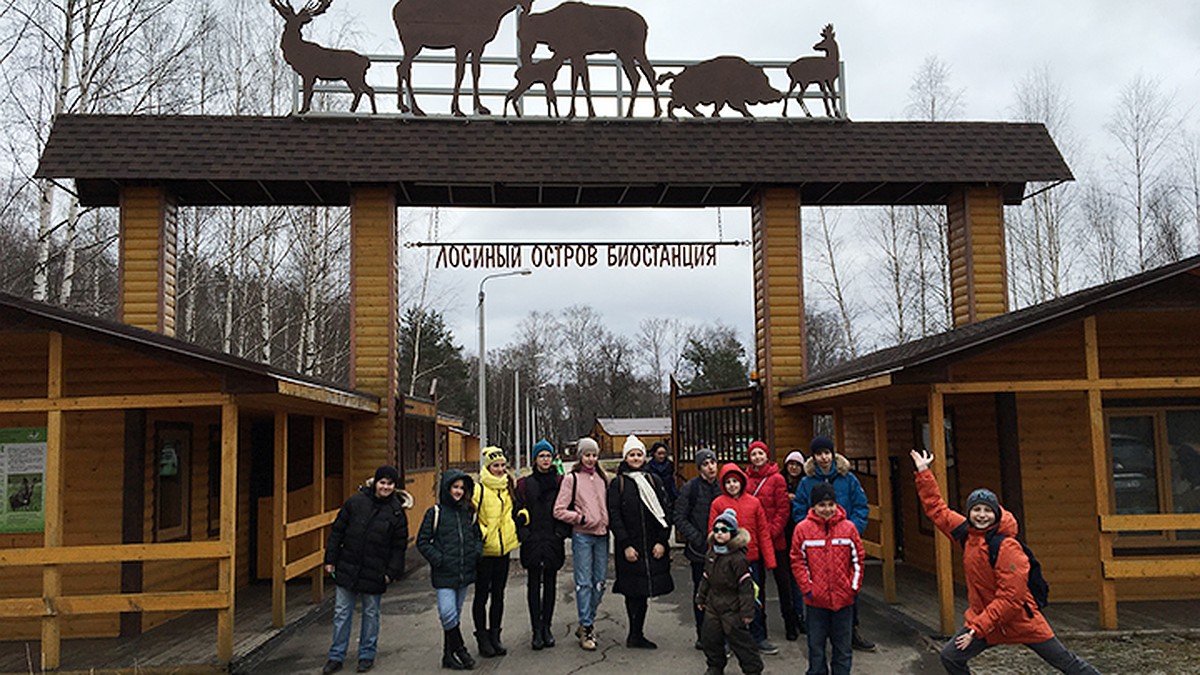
493 500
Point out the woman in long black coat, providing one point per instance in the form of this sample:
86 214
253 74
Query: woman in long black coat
637 517
542 553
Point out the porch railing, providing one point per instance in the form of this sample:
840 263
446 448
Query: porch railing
1150 567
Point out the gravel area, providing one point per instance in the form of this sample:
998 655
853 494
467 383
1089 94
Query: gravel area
1143 654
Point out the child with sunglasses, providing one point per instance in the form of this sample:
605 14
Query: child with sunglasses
726 596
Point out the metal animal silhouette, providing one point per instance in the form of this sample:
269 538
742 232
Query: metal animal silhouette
467 26
721 81
529 74
573 30
820 69
314 62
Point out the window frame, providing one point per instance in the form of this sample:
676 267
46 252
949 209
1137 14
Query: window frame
920 420
179 433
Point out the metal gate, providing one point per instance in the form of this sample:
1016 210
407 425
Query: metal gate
723 421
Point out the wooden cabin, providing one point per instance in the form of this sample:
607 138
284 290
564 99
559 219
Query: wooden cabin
611 433
1081 413
152 458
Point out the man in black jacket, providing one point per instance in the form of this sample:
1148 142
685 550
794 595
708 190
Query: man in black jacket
691 520
364 554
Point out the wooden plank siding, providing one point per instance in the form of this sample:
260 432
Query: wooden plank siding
147 267
97 369
978 277
1149 343
1056 354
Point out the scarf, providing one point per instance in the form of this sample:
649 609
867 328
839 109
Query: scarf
494 482
717 548
587 469
648 495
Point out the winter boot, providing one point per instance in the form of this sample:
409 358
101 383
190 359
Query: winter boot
538 640
862 644
791 628
461 653
449 658
497 645
486 649
547 634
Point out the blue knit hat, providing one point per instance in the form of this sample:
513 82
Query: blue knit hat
544 446
987 498
728 517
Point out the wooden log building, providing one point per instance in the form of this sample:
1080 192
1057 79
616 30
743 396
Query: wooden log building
112 397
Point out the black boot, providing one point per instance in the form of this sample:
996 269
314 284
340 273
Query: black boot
449 658
547 634
791 628
538 640
461 652
497 645
486 649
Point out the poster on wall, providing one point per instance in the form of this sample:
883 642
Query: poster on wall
22 479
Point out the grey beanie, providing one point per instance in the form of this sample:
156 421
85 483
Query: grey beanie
987 498
704 454
728 517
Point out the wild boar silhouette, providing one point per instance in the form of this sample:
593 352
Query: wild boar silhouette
21 498
720 81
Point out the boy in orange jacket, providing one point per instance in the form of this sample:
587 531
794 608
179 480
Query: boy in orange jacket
827 557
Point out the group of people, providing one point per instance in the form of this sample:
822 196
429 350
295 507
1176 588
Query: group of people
802 523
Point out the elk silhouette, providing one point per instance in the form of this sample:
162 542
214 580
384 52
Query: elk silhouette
573 30
544 71
467 26
820 69
314 62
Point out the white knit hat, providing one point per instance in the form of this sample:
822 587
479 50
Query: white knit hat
632 443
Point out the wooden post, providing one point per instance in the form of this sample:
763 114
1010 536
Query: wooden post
347 461
941 544
978 276
883 478
279 513
146 272
1101 471
318 577
53 502
227 567
374 322
839 430
779 313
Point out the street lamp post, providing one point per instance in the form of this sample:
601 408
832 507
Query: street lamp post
483 438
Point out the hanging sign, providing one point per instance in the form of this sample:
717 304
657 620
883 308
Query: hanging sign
22 480
576 255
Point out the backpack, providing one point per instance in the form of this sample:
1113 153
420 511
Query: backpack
1039 588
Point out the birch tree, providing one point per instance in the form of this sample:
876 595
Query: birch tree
833 281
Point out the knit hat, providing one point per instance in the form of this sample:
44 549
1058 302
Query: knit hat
632 443
820 443
728 517
758 444
794 456
544 446
492 454
703 455
987 498
389 472
585 445
822 491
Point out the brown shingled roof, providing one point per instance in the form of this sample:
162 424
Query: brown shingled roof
485 162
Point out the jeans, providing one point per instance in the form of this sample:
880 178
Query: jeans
343 616
758 627
491 576
449 605
798 597
837 627
954 660
590 554
697 575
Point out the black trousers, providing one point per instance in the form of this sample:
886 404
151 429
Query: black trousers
783 582
954 660
713 638
491 576
540 595
636 607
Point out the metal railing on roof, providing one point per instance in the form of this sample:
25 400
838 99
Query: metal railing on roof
611 99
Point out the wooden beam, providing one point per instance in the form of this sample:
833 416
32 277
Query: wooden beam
824 393
941 545
53 530
309 524
1101 475
227 566
304 565
1152 568
873 549
180 601
279 524
1109 384
129 402
133 512
1150 522
23 608
109 553
328 396
883 490
54 380
318 473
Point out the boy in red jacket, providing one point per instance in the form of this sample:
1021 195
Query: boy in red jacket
827 560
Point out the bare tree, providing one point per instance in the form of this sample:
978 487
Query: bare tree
1144 123
894 242
1105 246
930 96
1189 163
833 282
660 342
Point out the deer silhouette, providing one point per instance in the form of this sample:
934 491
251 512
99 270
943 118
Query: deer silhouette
529 74
467 26
820 69
314 62
573 30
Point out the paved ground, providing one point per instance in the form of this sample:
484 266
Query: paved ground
411 637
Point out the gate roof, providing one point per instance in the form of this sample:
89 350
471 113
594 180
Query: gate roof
227 160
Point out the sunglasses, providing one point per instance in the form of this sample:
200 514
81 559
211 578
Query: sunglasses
722 529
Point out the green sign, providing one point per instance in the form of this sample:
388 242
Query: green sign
22 480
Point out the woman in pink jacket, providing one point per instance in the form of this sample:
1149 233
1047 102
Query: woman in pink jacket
582 503
764 480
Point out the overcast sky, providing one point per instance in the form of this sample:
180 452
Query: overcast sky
1092 48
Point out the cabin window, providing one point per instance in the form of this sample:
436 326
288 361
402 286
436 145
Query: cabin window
418 443
1155 458
921 440
172 479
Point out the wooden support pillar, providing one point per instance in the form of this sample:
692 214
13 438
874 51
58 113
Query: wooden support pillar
146 274
883 477
279 524
374 324
318 575
943 559
1101 471
779 329
978 276
227 567
53 502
